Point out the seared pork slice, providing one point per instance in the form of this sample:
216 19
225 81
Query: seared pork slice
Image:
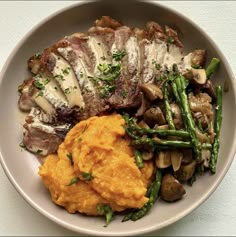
107 21
52 66
78 52
41 134
26 90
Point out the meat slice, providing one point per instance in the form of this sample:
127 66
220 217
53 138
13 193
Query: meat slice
41 134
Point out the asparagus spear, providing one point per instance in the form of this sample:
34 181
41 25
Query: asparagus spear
187 116
153 197
166 144
169 118
211 68
132 127
217 127
138 158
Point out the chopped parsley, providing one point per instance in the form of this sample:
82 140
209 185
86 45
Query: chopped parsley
66 71
22 145
37 56
59 77
67 91
103 57
69 156
118 55
170 40
79 139
39 94
87 176
73 181
75 87
39 151
105 90
85 128
81 74
124 93
157 66
39 85
55 88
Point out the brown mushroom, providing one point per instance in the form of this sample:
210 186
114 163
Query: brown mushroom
147 155
176 159
206 156
171 189
145 104
154 116
197 76
198 57
151 91
187 156
185 172
143 124
209 89
177 117
163 159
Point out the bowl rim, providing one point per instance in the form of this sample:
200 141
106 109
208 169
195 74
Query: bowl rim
168 222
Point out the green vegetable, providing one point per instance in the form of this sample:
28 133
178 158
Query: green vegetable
104 209
153 195
73 181
186 113
69 155
39 85
37 56
138 158
118 55
66 71
87 176
22 145
169 118
217 127
67 91
211 68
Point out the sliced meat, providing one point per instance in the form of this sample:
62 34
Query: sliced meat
26 90
41 135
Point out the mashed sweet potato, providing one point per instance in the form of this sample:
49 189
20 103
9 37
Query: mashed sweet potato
102 162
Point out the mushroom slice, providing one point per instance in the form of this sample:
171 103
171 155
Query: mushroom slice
171 189
147 155
185 172
176 159
154 116
198 76
206 156
143 124
198 57
151 91
187 156
163 159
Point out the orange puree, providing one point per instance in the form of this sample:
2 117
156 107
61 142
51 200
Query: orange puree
104 165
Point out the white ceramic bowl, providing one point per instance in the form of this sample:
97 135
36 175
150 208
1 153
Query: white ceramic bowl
22 167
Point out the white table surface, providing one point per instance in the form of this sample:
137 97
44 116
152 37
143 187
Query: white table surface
217 216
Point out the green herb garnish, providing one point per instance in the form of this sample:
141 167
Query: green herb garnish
37 56
73 181
170 40
104 209
22 145
67 91
39 85
66 71
39 94
59 77
69 156
87 176
118 55
124 93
